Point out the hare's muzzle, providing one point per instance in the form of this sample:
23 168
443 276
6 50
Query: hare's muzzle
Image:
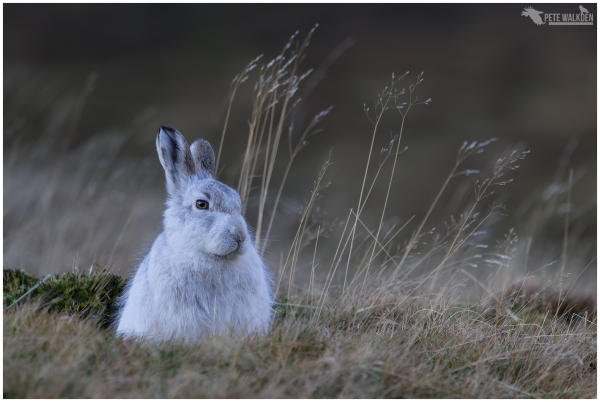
238 237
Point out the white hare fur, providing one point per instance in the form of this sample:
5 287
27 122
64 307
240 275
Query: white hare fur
202 274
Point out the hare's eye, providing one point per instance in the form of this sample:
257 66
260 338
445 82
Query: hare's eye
201 204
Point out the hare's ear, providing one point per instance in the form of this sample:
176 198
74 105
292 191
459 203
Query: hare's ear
204 157
175 157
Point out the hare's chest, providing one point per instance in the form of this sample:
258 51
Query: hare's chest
206 295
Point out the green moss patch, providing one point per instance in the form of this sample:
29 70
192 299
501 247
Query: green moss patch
84 295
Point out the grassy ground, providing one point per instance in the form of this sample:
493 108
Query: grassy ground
369 347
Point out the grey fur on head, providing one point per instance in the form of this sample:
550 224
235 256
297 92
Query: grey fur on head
202 274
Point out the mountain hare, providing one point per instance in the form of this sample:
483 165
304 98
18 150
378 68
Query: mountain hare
202 274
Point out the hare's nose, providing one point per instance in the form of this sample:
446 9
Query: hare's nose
239 236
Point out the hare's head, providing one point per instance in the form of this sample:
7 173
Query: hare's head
203 215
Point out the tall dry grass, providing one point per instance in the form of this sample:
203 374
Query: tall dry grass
460 246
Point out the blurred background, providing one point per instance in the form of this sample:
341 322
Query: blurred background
87 86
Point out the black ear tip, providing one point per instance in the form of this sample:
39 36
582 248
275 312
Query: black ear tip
168 130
